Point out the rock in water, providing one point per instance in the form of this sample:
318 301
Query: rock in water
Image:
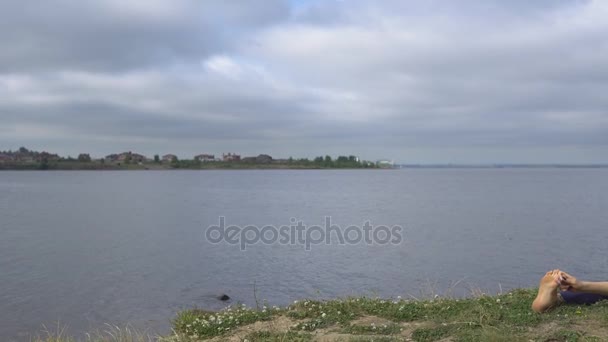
224 297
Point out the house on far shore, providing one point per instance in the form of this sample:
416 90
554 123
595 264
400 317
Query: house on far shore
263 159
126 157
205 157
138 158
133 157
230 157
47 156
169 158
4 158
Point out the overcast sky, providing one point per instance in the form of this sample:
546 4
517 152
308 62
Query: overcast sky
438 81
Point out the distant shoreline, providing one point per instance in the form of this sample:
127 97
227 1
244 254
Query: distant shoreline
24 159
77 166
59 167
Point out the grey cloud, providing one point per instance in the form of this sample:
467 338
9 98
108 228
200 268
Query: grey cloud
383 79
116 35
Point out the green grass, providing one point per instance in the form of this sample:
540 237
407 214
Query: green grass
506 317
108 334
374 329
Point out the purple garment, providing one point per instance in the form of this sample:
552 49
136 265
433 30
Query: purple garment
581 297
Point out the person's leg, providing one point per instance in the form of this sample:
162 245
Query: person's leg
581 298
547 293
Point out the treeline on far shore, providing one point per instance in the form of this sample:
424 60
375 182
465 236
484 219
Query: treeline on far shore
342 162
182 164
29 160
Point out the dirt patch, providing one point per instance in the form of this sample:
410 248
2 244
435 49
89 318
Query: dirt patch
338 337
409 327
279 324
333 337
283 324
545 329
369 320
592 328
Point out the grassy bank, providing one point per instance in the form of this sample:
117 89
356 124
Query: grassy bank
504 317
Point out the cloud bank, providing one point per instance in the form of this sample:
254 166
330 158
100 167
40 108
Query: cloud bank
437 82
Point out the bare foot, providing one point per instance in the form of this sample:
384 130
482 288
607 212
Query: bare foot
547 292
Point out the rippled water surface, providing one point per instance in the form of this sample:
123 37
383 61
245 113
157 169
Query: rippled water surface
88 248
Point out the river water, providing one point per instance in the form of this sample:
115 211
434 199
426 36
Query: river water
81 249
